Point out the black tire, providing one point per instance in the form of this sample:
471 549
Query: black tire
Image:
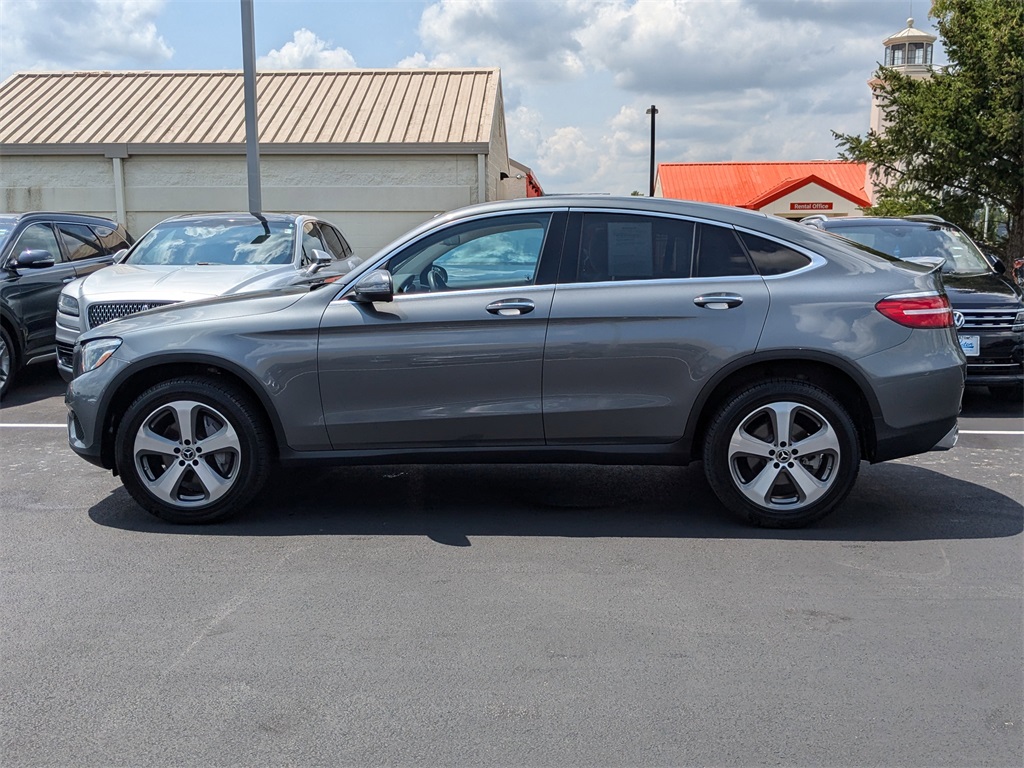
1011 393
8 362
171 476
766 477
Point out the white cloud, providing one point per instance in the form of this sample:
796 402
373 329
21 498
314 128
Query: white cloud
87 34
306 51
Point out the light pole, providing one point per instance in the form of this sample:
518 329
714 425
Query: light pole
652 112
252 147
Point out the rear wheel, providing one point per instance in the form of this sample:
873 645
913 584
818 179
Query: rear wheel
8 362
782 454
192 450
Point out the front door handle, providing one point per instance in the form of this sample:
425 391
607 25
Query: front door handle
718 300
511 307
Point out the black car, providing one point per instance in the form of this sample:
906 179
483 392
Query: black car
40 253
988 308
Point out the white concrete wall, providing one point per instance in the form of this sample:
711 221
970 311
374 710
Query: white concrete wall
373 199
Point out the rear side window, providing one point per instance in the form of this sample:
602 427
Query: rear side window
720 254
772 258
80 241
630 247
337 244
111 241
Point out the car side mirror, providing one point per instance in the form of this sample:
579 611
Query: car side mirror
33 259
374 286
320 260
120 256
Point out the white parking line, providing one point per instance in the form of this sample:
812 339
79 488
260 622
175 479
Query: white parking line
35 426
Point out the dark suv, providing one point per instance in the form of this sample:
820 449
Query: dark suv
988 308
40 253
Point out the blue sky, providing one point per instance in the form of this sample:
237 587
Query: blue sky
732 79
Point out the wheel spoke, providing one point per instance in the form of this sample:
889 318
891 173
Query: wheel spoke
825 440
743 444
148 441
222 440
214 485
760 488
184 416
782 420
811 488
166 486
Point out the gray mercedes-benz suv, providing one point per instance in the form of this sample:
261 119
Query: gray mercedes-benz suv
557 329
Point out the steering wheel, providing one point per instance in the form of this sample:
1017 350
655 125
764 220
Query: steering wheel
437 278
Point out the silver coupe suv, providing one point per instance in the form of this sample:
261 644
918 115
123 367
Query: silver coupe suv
185 258
556 329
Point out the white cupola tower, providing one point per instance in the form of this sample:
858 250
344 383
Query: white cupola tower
909 52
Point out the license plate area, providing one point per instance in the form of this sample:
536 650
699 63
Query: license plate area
971 345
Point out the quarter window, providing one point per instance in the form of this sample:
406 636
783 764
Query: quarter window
772 258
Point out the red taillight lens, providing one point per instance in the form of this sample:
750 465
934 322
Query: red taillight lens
918 311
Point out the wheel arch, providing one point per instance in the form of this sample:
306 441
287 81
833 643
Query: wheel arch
831 374
136 380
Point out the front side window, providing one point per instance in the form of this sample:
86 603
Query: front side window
215 241
37 237
495 252
311 240
633 247
80 242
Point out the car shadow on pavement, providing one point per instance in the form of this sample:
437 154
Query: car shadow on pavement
34 384
453 504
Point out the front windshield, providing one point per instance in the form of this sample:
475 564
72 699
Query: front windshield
913 241
216 241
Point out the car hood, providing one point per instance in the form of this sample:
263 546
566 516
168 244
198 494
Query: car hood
201 311
982 290
174 283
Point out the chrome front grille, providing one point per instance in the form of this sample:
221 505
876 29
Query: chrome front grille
986 319
104 312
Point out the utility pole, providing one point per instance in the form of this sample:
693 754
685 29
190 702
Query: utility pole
252 147
652 112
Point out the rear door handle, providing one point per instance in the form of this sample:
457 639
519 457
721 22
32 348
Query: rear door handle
511 307
718 300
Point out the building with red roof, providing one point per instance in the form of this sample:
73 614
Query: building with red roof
791 190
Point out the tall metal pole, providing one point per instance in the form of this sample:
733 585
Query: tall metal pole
652 112
252 147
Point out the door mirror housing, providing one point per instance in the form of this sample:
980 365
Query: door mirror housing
33 260
321 259
374 286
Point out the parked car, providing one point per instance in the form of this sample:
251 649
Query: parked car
40 252
185 258
554 329
988 306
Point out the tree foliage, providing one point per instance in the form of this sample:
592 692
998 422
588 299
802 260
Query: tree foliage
954 141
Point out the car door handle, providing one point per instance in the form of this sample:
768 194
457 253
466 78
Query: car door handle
510 307
69 279
718 300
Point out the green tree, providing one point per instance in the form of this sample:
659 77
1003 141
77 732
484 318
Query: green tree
954 141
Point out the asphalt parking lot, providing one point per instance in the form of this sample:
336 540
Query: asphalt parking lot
564 616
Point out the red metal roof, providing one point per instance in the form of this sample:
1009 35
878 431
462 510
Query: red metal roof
754 185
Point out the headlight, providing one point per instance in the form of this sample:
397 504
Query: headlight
67 304
93 354
1018 322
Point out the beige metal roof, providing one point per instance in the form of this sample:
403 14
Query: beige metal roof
360 110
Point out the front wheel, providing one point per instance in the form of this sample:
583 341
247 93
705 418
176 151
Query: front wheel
8 362
782 454
192 450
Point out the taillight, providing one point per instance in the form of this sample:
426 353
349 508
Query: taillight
918 310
